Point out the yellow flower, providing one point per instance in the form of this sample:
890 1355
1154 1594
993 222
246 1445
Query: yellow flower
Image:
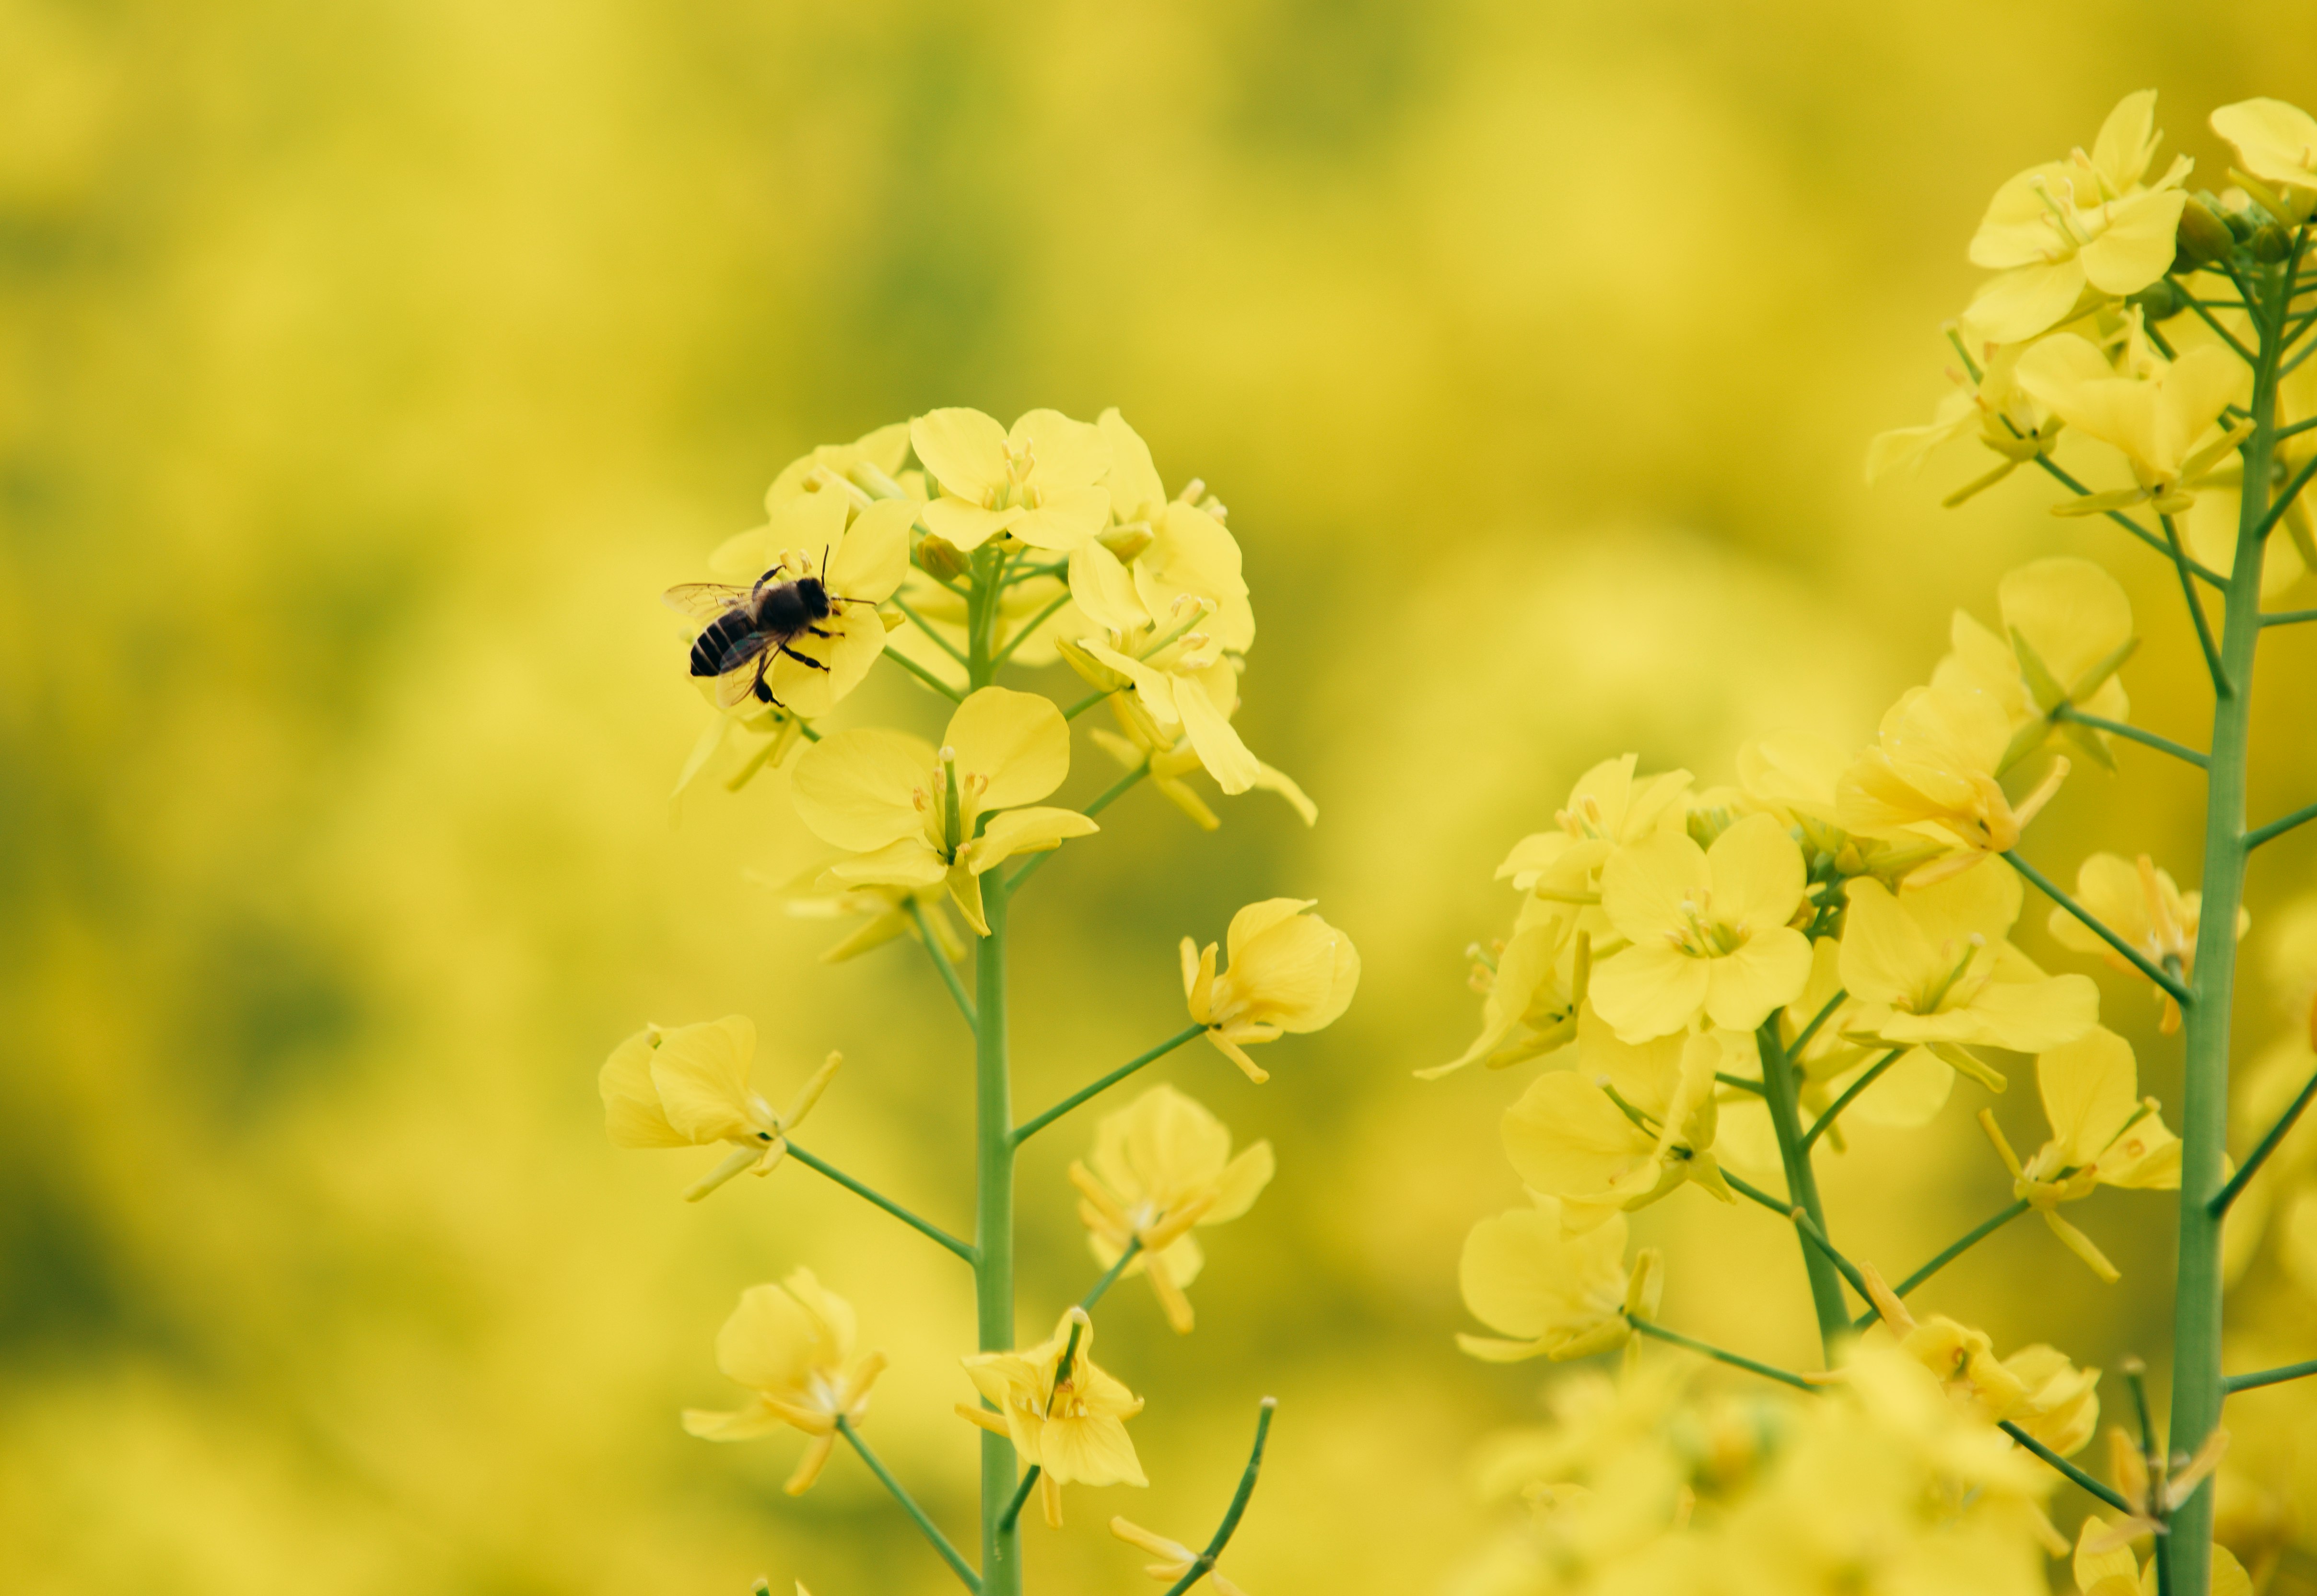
1170 758
913 816
1037 482
687 1086
2140 903
2067 628
1609 808
1930 968
1289 972
888 910
1161 1165
1708 929
1625 1128
2035 1388
2086 224
2159 413
1065 1417
864 470
2004 417
1932 775
761 736
808 534
791 1346
2103 1133
1173 626
2276 142
1530 996
1562 1296
1174 1558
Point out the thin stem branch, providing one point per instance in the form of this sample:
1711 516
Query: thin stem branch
2138 960
1746 1188
1204 1562
2114 1499
1110 1277
1734 1359
1110 795
2227 336
950 977
1874 1072
925 626
1030 1128
2260 1155
1794 1050
2279 828
1739 1081
2131 733
949 1554
2289 617
1013 1513
2219 672
1088 702
1782 1089
2270 1376
2203 573
923 1226
1947 1255
925 676
1817 1238
2299 426
2284 501
1023 636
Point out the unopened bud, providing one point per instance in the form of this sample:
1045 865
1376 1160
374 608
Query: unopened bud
942 559
2162 300
2271 243
2203 236
1094 671
1126 541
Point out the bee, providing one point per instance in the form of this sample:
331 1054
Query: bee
744 628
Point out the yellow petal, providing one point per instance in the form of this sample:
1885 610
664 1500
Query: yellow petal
1757 874
2275 140
1017 742
1651 990
1240 1183
701 1075
2026 301
968 527
1219 744
873 556
964 450
2138 247
1066 519
1102 587
1135 491
1647 889
2089 1087
1066 453
631 1110
1566 1139
1519 1275
1024 831
1747 987
859 790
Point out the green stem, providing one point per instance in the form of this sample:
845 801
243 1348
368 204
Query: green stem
2162 745
925 676
1780 1090
2279 826
1030 1128
1970 1239
2271 1376
994 1229
2138 960
1738 1081
2215 665
923 1226
2284 498
1734 1359
1088 702
1203 1564
2260 1155
2196 1388
1816 1238
1753 1193
949 1554
2203 573
948 971
1036 620
2289 617
1825 1122
1794 1049
2086 1480
925 626
1110 1277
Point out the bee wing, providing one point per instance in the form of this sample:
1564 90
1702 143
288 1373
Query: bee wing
703 601
745 672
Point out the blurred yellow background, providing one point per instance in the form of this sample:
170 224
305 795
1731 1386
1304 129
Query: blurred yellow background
366 371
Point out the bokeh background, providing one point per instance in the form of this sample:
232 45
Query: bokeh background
365 372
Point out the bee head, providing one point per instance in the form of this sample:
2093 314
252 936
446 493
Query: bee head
815 594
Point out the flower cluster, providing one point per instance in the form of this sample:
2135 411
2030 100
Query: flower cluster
960 549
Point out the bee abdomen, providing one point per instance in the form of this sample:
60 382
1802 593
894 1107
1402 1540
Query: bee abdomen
716 647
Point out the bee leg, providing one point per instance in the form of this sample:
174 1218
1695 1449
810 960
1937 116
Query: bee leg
802 658
816 632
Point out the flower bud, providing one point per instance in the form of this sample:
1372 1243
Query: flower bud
1093 671
1126 541
2162 300
941 560
2203 236
2271 243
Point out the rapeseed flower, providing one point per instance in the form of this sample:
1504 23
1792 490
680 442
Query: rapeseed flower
687 1086
858 554
791 1345
1065 1417
1140 743
1623 1129
1931 775
864 470
2067 628
2104 1564
2085 229
913 816
2159 413
1530 995
1609 808
2037 1388
2103 1133
2142 904
2276 142
892 913
1289 972
1708 929
1930 968
1560 1296
2004 417
1160 1166
1037 481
